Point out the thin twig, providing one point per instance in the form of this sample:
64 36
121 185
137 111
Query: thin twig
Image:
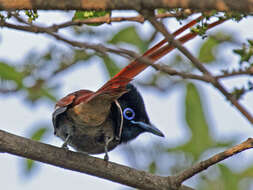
188 173
108 20
97 47
7 91
215 82
103 49
168 70
123 52
248 71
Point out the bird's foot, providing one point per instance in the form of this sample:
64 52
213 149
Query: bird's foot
117 139
106 157
65 144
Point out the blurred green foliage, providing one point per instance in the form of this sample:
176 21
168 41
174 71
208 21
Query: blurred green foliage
34 76
110 66
245 52
208 50
37 135
10 73
32 15
201 138
82 15
129 35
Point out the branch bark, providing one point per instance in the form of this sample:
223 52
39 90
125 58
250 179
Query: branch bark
197 168
83 163
108 20
219 5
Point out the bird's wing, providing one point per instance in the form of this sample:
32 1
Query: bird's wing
74 98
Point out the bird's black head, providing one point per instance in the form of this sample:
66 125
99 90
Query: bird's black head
135 118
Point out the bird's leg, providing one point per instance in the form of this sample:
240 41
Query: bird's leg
65 144
107 141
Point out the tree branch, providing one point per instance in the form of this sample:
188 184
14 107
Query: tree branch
83 163
29 27
214 81
220 5
247 71
188 173
107 19
207 76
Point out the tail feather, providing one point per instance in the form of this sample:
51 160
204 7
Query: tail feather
176 33
155 53
135 67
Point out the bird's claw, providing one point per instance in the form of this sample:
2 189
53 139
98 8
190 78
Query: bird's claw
106 157
65 146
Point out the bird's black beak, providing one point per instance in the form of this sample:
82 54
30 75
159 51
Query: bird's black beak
148 128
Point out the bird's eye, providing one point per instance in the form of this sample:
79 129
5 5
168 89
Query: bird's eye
128 113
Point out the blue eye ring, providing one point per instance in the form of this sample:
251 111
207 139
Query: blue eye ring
128 113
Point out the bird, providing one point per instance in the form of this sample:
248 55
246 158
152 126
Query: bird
97 122
128 110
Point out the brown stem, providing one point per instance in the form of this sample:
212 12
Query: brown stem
107 19
245 6
83 163
248 71
188 173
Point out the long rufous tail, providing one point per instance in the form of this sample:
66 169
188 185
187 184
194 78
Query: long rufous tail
117 83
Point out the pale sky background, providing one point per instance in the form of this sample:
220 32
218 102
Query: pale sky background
164 111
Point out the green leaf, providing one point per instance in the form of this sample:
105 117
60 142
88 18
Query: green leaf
32 15
206 52
82 15
129 35
8 72
46 93
152 168
200 140
194 115
37 135
161 11
245 52
229 179
226 179
29 165
80 55
195 118
239 51
39 90
250 42
248 172
111 67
